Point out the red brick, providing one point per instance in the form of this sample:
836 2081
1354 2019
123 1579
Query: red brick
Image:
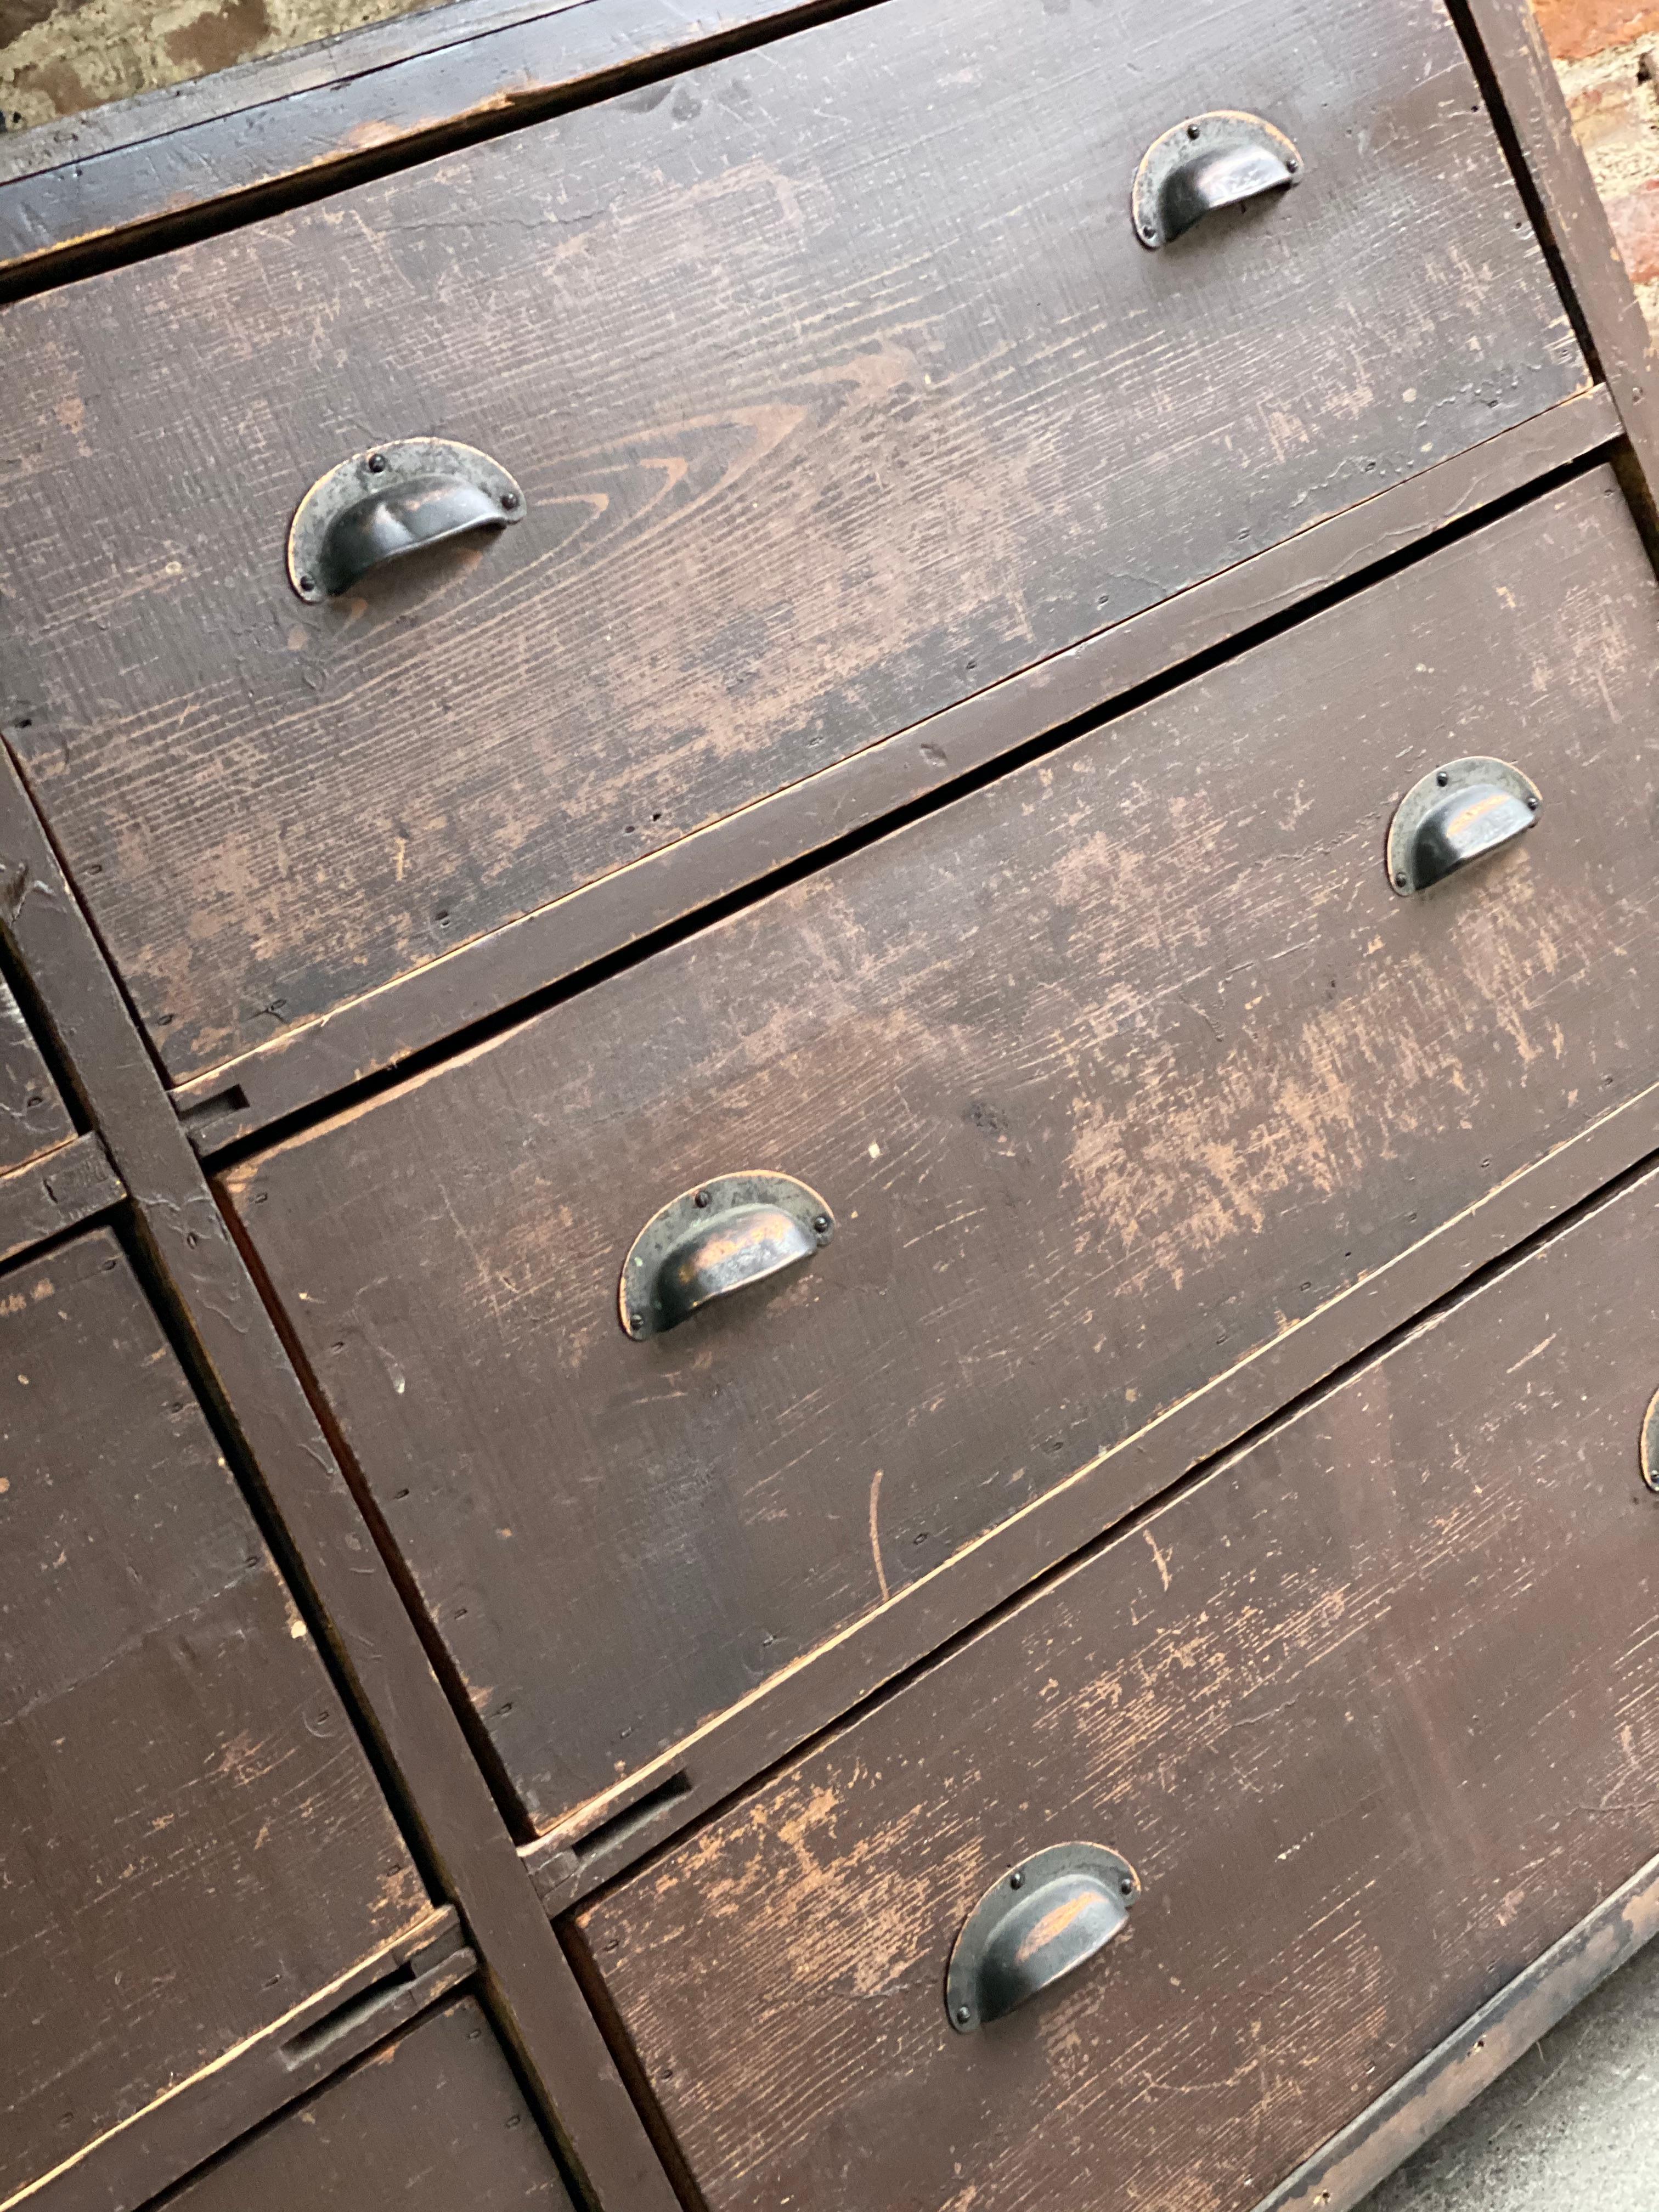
1576 29
1635 219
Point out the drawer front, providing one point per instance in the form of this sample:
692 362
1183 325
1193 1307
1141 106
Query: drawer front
192 1843
433 2122
1370 1712
33 1119
1111 1075
838 386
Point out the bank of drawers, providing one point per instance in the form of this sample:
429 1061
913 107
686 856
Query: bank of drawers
1369 1714
194 1852
675 1334
833 382
1109 1077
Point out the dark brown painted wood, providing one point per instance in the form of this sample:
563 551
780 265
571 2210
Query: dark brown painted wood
324 64
1507 40
808 456
65 1187
286 1461
727 1753
432 2123
33 1119
213 2110
194 1845
1370 1711
1115 1075
368 1035
1345 2171
146 173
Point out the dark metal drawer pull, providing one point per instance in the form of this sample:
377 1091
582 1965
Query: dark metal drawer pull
717 1239
1465 810
1209 162
391 501
1042 1921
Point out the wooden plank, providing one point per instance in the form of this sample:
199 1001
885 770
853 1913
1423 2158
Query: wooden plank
193 1844
237 1362
64 1187
1506 39
1086 1165
33 1119
205 2114
95 190
433 2121
481 981
318 65
1339 2176
724 1753
1370 1711
826 419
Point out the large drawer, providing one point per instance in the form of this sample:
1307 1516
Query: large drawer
1371 1714
1112 1074
193 1846
838 386
433 2122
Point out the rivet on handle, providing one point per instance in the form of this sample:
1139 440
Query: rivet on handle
716 1240
393 500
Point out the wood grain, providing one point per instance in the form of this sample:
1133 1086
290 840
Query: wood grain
98 188
33 1119
433 2122
839 389
64 1187
282 1455
1342 2172
193 1844
480 980
1371 1712
1115 1075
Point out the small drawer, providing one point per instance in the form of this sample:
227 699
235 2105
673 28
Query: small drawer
33 1119
1110 1075
432 2123
193 1845
833 384
1369 1717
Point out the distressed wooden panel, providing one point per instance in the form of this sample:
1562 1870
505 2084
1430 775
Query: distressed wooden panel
433 2122
33 1119
1113 1073
1372 1712
62 1188
193 1845
839 388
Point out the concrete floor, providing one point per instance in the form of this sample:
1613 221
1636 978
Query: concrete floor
1573 2127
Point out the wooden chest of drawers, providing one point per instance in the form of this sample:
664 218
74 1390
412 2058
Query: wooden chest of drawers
828 1289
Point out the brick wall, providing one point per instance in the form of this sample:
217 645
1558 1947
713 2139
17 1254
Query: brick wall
1607 56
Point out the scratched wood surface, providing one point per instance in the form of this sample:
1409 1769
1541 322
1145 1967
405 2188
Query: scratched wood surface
839 388
1372 1712
434 2121
1113 1072
192 1842
33 1117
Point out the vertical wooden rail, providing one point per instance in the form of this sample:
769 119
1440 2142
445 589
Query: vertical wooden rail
1530 106
243 1372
